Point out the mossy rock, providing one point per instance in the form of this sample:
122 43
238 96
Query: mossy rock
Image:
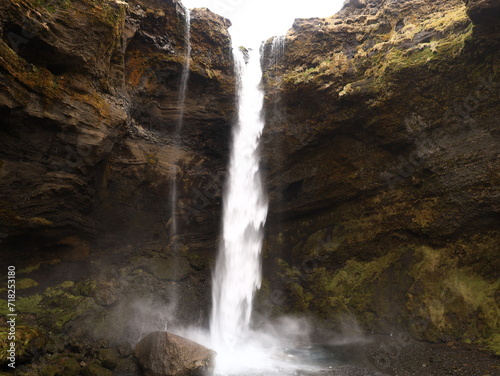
30 269
108 358
95 370
56 306
61 365
171 269
71 367
493 344
85 288
435 297
29 341
51 370
26 283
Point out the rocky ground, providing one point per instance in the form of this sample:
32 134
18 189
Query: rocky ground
385 356
396 357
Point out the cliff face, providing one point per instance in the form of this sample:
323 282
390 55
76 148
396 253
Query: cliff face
89 104
384 188
380 152
90 94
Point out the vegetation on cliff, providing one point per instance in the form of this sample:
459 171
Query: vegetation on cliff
382 193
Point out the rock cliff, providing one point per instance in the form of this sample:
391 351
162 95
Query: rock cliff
89 103
381 150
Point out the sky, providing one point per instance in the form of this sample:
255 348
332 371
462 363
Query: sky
257 20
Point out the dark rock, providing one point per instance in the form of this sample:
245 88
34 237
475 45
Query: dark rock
89 96
162 354
109 358
89 101
95 370
483 11
171 269
380 152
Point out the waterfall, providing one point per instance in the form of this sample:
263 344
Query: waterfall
277 50
275 59
185 71
173 223
238 269
178 128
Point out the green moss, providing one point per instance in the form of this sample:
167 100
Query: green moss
67 284
29 304
85 288
56 306
493 343
51 369
25 283
3 307
30 269
26 339
51 5
95 370
287 272
352 288
449 297
64 308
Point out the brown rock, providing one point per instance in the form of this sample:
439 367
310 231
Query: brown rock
165 354
381 154
88 106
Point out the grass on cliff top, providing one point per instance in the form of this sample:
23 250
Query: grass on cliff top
107 10
382 54
51 5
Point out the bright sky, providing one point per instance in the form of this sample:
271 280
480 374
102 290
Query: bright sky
257 20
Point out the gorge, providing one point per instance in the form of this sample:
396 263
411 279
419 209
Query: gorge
379 156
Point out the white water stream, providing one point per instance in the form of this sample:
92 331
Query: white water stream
241 350
178 129
281 347
238 270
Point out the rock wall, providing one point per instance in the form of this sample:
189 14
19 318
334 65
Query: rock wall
89 102
381 152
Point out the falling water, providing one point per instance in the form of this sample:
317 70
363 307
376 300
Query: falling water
174 242
238 270
277 50
178 127
185 71
280 347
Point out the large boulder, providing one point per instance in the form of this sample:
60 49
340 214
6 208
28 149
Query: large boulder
165 354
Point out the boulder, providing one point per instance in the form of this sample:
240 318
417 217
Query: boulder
166 354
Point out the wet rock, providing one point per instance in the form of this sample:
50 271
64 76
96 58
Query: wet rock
483 11
95 370
106 293
171 269
165 354
109 358
98 85
71 367
380 151
89 102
